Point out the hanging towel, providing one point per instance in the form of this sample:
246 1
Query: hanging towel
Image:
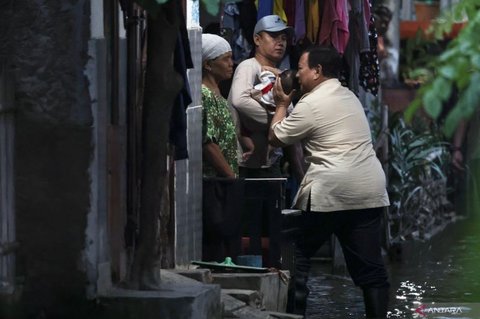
334 29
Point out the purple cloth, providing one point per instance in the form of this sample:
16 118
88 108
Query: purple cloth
300 28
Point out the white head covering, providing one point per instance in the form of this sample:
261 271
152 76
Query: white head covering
213 46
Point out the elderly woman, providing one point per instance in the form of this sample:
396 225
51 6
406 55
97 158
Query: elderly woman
222 192
219 139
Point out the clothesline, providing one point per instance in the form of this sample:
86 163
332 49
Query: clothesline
347 25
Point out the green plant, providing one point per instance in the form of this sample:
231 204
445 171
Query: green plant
458 66
417 180
416 56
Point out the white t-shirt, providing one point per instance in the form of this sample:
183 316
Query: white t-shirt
250 116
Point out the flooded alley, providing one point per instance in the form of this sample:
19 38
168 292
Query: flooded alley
443 270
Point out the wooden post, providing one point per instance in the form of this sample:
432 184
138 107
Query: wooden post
7 186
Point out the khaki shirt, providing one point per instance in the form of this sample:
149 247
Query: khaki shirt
344 172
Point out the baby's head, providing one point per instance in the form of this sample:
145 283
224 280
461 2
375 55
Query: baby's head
289 81
267 79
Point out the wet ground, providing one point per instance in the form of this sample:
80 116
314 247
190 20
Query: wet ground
439 278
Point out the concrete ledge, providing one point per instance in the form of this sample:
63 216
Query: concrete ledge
281 315
178 298
201 275
230 305
252 298
273 290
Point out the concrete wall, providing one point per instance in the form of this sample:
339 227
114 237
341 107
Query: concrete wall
46 43
188 173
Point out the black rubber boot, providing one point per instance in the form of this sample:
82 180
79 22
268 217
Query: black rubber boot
301 294
300 278
376 302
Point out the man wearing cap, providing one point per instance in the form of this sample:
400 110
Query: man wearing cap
270 38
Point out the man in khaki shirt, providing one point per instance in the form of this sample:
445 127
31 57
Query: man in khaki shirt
344 189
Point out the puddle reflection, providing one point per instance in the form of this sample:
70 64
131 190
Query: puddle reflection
432 277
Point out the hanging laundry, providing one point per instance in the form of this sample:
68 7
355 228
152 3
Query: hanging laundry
369 66
360 11
178 118
231 20
334 28
289 7
264 8
358 42
279 10
313 20
248 19
300 25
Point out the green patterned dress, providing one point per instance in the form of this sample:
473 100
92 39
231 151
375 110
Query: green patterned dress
218 128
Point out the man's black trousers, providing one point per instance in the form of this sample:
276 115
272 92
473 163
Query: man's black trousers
359 234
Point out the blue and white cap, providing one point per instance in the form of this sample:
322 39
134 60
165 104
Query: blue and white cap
272 23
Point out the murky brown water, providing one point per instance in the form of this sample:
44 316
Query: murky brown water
444 271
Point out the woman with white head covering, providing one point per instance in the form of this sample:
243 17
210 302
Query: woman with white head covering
222 197
219 141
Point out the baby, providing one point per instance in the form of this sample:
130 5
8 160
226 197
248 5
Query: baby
262 93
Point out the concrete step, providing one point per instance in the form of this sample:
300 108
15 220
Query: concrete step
230 305
252 298
273 290
178 297
252 313
281 315
202 275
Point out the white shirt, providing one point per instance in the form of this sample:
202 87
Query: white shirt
344 172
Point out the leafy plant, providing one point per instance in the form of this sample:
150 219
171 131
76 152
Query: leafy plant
418 162
417 180
458 66
416 56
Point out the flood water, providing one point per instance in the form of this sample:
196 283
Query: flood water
439 278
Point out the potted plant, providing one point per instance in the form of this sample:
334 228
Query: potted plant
457 67
414 68
426 10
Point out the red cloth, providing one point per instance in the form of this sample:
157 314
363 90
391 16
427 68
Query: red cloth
289 7
334 28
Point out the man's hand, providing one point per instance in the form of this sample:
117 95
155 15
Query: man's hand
281 99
